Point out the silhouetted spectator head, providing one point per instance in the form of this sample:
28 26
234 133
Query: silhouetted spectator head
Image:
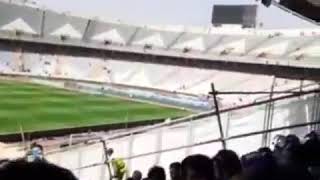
292 152
267 155
265 150
312 136
136 175
292 141
35 153
229 163
36 145
259 165
279 142
41 170
175 171
156 173
311 149
197 167
109 151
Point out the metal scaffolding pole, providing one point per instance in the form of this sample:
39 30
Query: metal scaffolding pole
216 105
189 137
159 145
107 161
271 112
268 115
256 92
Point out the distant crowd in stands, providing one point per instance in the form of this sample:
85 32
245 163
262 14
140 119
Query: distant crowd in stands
291 159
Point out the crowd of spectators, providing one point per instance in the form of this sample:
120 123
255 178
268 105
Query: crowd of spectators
291 158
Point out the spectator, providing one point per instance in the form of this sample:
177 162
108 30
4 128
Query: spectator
197 167
311 149
156 173
136 175
293 166
175 171
292 150
279 143
35 153
230 164
40 170
265 150
260 165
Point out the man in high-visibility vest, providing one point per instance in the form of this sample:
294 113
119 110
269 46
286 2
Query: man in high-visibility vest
118 165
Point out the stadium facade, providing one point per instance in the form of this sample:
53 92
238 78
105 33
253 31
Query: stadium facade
266 81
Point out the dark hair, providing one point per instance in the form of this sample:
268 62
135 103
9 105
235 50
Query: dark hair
21 169
110 151
201 164
265 150
229 162
135 174
175 165
293 140
156 173
33 145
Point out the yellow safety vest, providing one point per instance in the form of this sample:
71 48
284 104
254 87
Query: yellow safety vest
119 167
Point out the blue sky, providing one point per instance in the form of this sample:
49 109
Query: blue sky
180 12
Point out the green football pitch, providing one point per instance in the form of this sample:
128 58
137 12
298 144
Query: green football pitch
38 108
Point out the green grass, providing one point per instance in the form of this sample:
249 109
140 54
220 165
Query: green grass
37 108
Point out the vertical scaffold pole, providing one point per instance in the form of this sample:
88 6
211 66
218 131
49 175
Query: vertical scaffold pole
216 105
107 161
269 112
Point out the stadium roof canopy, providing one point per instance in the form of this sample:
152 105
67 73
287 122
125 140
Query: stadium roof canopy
289 47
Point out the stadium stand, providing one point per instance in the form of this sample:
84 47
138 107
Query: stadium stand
290 48
167 64
146 75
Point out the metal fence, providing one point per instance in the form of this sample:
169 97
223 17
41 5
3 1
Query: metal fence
245 130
